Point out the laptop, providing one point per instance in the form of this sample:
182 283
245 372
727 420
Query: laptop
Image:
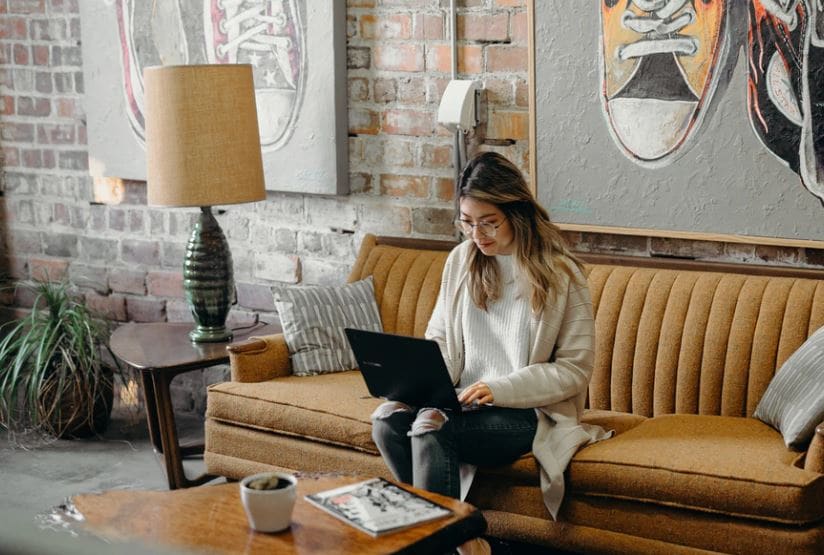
401 368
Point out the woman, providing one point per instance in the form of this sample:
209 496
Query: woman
514 323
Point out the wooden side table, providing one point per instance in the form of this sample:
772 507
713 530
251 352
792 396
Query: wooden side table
162 351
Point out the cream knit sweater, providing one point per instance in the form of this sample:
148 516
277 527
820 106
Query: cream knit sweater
555 378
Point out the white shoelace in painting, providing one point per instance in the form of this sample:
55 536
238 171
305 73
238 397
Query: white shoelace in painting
659 28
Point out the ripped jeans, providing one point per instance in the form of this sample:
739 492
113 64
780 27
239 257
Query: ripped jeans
425 447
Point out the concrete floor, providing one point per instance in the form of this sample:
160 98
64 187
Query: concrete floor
37 477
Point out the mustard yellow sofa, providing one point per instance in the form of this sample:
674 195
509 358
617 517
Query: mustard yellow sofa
682 359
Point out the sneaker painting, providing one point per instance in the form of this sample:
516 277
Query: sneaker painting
661 62
269 35
775 48
811 150
154 33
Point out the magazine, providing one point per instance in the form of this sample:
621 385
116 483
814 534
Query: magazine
377 506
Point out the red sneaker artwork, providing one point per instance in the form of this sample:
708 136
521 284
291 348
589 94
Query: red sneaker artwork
661 63
268 34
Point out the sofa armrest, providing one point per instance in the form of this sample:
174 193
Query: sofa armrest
258 359
815 454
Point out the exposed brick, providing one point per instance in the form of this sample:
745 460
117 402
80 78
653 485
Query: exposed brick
685 248
40 54
178 310
12 28
439 58
28 106
387 219
11 157
134 192
48 269
597 242
21 54
787 256
66 55
60 134
363 121
358 57
20 183
358 90
412 90
324 272
27 6
309 241
17 267
400 154
17 132
522 94
74 160
165 284
499 91
140 309
429 26
445 189
508 125
43 82
386 90
388 26
505 59
277 267
68 108
404 186
48 29
90 277
123 280
360 3
520 28
60 244
484 27
255 296
22 241
135 251
433 221
399 57
175 253
7 103
332 213
351 26
110 307
408 122
436 156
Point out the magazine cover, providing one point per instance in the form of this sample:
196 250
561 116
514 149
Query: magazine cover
377 506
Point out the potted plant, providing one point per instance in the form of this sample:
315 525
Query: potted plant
53 376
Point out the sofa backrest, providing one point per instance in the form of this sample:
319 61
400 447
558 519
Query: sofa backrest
667 340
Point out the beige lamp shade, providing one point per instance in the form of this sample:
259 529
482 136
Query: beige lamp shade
202 138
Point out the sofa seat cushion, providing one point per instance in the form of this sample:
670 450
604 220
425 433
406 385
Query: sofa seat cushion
731 465
330 408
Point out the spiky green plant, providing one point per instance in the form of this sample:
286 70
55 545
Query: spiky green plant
52 374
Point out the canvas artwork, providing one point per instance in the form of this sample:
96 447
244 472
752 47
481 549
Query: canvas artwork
693 115
293 46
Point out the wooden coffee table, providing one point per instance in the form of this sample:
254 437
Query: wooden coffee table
211 519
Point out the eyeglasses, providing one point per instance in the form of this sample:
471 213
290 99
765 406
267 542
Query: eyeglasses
486 229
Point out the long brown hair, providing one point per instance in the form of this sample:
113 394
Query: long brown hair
540 250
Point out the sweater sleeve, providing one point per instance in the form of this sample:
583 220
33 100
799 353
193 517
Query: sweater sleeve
439 322
568 372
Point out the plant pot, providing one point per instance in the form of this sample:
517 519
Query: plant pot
78 412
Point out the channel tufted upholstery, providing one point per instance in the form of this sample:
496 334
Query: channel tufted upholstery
694 342
682 358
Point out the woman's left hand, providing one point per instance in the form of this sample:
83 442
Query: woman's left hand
477 393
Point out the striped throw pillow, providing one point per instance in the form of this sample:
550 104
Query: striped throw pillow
794 400
313 319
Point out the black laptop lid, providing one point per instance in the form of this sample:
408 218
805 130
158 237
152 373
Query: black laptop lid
401 368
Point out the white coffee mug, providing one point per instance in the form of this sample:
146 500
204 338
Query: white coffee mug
269 510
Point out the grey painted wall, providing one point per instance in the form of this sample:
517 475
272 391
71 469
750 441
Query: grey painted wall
725 182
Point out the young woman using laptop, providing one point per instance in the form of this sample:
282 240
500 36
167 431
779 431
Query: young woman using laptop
514 323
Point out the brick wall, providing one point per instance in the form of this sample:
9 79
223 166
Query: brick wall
125 258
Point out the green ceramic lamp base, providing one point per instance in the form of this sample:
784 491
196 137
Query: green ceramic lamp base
208 280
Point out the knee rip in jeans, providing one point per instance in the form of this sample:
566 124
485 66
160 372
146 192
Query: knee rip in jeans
387 409
428 420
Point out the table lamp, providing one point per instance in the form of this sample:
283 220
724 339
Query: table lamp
203 149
